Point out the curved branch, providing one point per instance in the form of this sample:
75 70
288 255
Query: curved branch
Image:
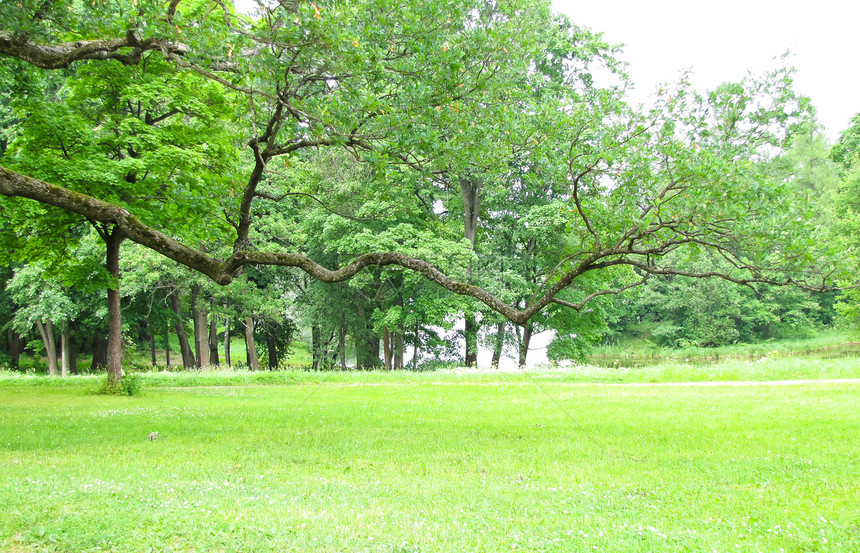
588 298
17 185
62 55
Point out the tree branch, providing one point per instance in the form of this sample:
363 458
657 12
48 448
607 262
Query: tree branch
17 185
588 298
64 54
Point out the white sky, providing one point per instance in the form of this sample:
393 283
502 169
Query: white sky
721 41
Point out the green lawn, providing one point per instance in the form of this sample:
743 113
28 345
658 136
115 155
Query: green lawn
448 461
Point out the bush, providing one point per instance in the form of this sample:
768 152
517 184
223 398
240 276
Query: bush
130 385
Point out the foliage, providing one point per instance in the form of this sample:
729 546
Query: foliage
846 149
132 385
847 214
682 312
444 162
458 115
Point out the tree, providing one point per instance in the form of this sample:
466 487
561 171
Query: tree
401 89
846 152
139 135
846 149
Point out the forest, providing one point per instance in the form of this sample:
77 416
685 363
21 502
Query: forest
396 184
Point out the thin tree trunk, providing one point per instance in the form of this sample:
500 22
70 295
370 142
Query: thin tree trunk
114 345
398 350
154 357
46 331
213 341
499 344
316 347
471 192
386 349
227 360
524 344
341 340
251 347
184 347
15 348
167 345
329 353
203 336
416 344
73 356
64 350
272 349
198 316
471 334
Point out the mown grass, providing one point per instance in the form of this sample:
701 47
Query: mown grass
418 462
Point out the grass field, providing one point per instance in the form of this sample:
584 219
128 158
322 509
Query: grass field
551 460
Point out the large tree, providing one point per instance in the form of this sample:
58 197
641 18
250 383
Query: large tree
144 136
420 86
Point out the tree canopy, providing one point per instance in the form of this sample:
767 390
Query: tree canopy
503 165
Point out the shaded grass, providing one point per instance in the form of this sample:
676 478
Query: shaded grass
448 461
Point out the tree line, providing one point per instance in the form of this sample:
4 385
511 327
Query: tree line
370 174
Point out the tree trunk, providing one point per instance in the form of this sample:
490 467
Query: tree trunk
366 341
386 348
114 341
202 338
15 348
99 354
73 356
524 344
398 350
46 331
213 341
341 340
251 347
272 349
471 334
498 344
329 354
316 347
470 189
64 350
198 316
227 360
416 344
184 347
152 352
167 345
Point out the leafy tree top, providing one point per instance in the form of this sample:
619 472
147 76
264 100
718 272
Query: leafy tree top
452 89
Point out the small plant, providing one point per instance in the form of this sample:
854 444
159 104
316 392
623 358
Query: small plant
130 385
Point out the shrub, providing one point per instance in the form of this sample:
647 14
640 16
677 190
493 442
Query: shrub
130 385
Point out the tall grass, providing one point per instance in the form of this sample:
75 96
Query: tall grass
763 369
644 349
